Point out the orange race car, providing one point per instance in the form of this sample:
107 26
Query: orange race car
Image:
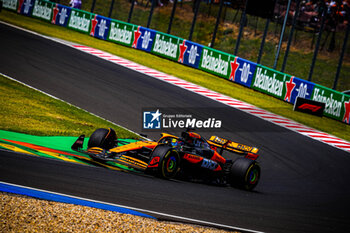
189 156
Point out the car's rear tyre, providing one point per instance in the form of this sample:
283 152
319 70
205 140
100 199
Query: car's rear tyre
103 138
244 174
169 162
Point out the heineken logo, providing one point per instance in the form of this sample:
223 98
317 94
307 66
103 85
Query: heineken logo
269 84
42 11
333 106
215 64
10 4
120 34
79 22
164 47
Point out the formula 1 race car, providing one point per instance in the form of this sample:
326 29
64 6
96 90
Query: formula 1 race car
187 157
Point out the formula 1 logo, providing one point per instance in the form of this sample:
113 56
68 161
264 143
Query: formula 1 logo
310 107
152 119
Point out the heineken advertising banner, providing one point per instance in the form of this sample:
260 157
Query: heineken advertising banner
60 15
215 62
166 46
10 5
100 26
80 21
337 103
143 38
270 82
241 71
42 10
296 87
121 33
25 7
189 53
177 49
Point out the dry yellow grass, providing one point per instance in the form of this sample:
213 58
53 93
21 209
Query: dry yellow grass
26 214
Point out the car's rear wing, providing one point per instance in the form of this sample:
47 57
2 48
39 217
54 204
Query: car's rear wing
225 144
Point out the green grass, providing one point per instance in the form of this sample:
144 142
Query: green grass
26 110
196 76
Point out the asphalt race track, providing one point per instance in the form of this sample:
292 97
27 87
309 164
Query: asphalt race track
304 185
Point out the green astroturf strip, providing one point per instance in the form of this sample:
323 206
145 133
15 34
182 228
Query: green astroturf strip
61 145
54 142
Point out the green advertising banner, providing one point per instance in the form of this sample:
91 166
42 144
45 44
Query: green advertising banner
9 5
270 82
215 62
43 10
166 46
121 33
80 21
337 103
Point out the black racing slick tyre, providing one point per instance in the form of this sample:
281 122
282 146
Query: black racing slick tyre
169 162
103 138
244 174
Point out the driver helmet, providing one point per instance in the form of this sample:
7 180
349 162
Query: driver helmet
174 142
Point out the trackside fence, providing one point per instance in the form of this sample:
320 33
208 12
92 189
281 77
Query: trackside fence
260 78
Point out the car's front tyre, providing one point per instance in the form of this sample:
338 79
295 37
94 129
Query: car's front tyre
165 162
103 138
